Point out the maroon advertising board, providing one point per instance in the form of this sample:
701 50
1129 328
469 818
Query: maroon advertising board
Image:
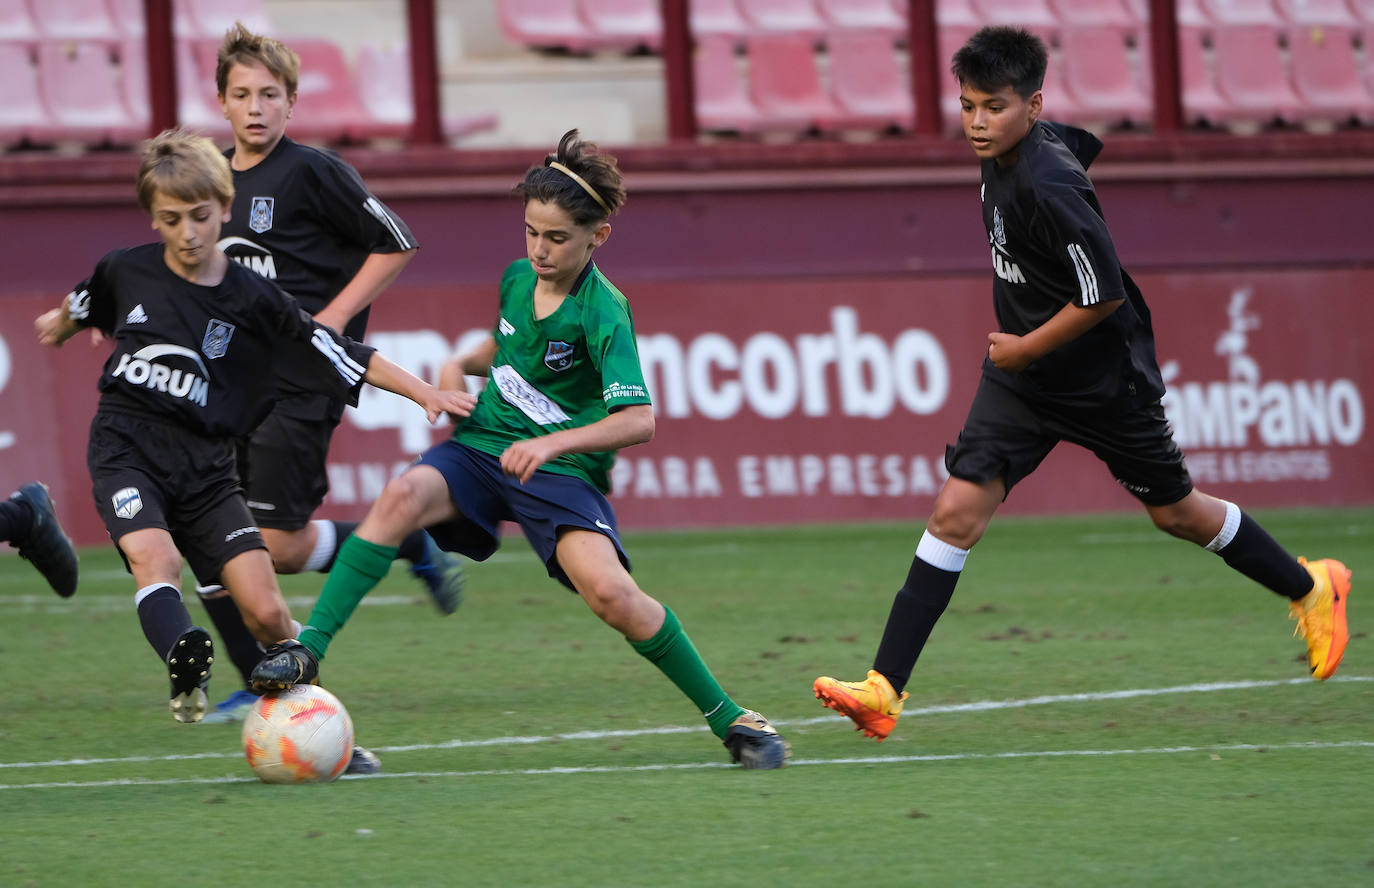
826 398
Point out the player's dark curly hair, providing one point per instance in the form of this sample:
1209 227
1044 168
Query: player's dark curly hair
589 204
997 56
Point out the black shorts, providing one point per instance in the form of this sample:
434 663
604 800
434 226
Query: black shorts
486 496
149 473
284 467
1007 435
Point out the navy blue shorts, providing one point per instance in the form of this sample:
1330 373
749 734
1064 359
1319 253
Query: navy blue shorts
486 496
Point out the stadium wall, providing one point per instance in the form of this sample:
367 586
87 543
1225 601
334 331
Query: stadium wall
812 336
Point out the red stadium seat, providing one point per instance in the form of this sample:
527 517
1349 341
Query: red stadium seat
78 84
127 16
1186 12
627 24
711 17
198 107
869 83
385 88
1316 12
1327 75
1202 102
722 101
954 13
16 22
1096 71
1241 12
328 107
1016 12
1250 73
1364 10
876 16
546 24
1091 13
783 17
209 19
74 19
785 84
23 116
951 38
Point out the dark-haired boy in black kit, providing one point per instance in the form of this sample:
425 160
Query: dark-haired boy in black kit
1073 359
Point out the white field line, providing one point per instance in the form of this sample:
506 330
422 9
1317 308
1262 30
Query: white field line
698 766
981 706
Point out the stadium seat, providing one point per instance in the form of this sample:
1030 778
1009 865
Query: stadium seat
546 24
74 20
78 84
1316 12
1327 75
1250 74
23 116
1016 12
722 101
1202 102
869 83
950 39
1091 13
1096 71
127 16
1364 10
627 24
209 19
953 13
709 18
385 88
876 16
1241 12
198 107
1186 12
785 84
783 17
16 23
328 107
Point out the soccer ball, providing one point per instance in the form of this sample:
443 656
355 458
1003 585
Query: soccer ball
300 735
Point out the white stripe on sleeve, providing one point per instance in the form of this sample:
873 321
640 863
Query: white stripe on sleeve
1087 278
345 365
376 208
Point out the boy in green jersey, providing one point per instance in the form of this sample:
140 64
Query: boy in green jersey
566 391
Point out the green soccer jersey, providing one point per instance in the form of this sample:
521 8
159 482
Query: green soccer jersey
564 371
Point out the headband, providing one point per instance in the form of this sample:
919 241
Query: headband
581 181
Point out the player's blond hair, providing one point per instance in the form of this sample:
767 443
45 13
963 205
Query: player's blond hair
241 46
184 166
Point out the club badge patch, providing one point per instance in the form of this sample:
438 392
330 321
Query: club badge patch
559 356
999 231
127 502
260 214
217 336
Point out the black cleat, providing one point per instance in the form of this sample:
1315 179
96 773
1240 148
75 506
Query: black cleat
442 574
188 666
755 744
364 761
284 664
45 546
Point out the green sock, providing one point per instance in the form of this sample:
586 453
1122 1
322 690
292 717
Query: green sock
358 567
673 652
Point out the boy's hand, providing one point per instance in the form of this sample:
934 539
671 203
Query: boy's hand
1008 352
523 458
54 327
440 401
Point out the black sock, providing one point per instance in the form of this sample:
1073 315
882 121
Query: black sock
244 650
15 518
342 531
1253 552
163 617
917 606
412 548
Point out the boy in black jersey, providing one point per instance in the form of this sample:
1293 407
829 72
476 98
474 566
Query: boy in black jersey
1072 359
194 336
303 218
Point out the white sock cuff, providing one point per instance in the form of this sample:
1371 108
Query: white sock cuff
149 590
1228 529
295 628
326 541
209 591
938 553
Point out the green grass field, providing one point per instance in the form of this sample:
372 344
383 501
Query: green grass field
1146 720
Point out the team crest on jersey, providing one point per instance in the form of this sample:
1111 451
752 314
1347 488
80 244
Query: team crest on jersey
999 231
559 356
217 336
260 214
127 502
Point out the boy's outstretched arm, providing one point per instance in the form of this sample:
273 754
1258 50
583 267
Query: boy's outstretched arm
386 374
55 326
1014 353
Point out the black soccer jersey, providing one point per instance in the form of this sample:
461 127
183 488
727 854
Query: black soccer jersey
304 218
1050 247
204 357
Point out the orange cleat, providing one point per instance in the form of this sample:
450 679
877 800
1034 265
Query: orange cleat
1321 615
871 703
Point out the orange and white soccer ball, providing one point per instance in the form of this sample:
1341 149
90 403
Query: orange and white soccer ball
300 735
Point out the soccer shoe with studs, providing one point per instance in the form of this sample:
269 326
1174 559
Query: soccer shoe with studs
45 546
1321 615
756 745
442 574
363 761
871 703
188 666
284 664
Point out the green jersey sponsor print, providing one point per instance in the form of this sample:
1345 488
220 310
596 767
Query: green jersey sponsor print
564 371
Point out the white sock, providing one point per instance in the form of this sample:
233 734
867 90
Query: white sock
326 540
